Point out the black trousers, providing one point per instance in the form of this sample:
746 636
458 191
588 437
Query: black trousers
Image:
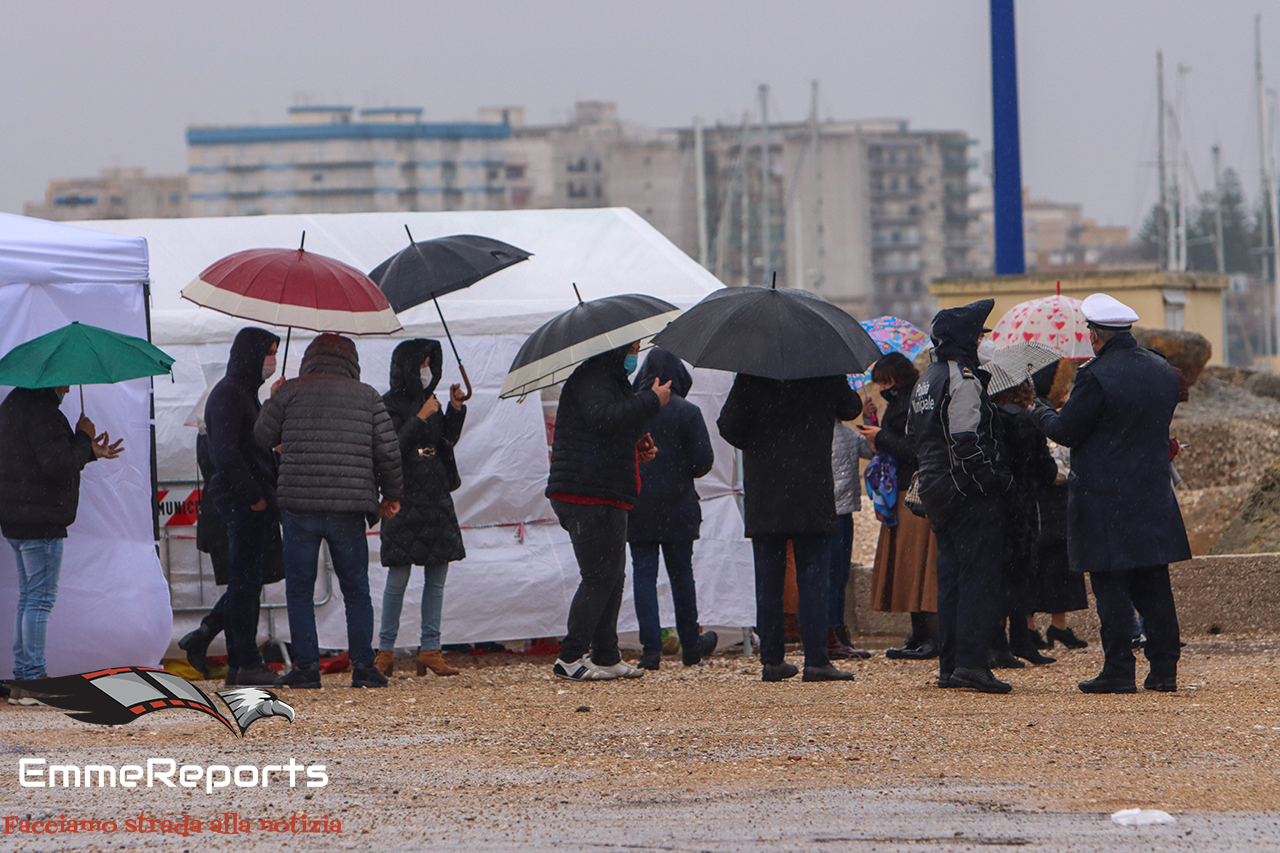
1148 590
216 620
599 537
812 572
970 594
251 536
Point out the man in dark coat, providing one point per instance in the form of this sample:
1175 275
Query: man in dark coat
599 444
41 457
425 531
1124 523
338 451
243 488
784 429
962 485
668 515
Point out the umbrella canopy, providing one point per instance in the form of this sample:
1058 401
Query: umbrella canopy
762 331
80 354
591 328
295 288
891 335
1054 320
1013 365
432 268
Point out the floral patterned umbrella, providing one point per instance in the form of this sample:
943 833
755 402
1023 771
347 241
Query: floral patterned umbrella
891 335
1055 321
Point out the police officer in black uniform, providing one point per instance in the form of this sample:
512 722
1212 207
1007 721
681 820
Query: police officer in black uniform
1123 519
962 486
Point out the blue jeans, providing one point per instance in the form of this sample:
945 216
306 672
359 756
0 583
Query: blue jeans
839 559
345 534
432 604
39 565
679 559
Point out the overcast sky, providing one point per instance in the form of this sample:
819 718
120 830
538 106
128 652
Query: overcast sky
92 85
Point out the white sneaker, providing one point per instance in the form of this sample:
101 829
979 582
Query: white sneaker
581 669
621 669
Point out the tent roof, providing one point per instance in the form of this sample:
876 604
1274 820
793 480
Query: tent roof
605 251
35 251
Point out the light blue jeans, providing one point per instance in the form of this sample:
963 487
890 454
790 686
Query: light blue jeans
39 565
432 604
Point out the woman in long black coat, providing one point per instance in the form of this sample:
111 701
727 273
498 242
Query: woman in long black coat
425 532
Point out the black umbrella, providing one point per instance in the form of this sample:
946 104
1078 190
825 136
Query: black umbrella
562 343
430 269
763 331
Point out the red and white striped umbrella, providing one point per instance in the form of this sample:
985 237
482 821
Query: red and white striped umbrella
294 288
1054 321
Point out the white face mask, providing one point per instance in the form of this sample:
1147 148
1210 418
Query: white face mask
425 376
268 367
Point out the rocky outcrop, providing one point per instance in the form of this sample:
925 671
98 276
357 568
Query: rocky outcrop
1187 351
1256 528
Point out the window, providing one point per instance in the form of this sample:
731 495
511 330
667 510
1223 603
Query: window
515 171
1175 309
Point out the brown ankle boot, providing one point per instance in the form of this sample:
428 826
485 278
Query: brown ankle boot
837 650
434 661
384 662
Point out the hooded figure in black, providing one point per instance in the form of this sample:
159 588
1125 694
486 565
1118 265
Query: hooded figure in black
962 485
668 515
243 488
425 532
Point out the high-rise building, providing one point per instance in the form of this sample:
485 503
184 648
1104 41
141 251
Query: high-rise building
326 161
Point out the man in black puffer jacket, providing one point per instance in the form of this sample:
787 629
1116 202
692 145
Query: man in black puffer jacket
962 485
243 488
599 443
668 515
338 449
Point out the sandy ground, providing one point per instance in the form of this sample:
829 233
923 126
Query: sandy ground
707 758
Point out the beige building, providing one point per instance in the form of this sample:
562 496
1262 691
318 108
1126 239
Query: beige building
1056 236
1181 301
114 194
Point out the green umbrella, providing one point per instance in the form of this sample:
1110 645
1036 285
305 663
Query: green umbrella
80 354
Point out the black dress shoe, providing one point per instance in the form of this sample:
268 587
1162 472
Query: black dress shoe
196 645
300 679
1161 685
778 671
923 651
257 677
1108 684
650 662
825 673
1004 659
1031 654
979 679
944 680
1065 636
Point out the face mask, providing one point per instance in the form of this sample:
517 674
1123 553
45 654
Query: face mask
631 362
62 395
268 367
425 377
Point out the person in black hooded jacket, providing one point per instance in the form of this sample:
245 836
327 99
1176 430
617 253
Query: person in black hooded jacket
243 488
667 514
425 532
596 452
962 483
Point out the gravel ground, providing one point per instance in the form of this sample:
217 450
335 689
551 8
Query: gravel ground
710 758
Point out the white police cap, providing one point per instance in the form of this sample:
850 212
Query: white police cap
1108 312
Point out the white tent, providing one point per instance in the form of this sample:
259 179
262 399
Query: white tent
113 606
519 574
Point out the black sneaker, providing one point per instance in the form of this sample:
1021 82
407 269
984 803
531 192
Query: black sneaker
706 645
367 675
650 662
778 671
978 679
300 679
259 676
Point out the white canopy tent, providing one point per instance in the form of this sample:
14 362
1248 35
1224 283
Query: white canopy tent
113 605
519 574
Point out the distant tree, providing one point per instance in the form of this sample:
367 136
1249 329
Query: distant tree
1240 231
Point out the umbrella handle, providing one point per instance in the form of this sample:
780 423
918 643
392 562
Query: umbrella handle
467 380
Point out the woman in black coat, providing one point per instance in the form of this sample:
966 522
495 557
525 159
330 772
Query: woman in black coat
667 514
425 532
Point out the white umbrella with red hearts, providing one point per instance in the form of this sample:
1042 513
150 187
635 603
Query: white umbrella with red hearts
1054 321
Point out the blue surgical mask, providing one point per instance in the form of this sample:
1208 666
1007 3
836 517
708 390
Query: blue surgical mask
631 362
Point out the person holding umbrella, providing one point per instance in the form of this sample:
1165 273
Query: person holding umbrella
41 457
425 532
